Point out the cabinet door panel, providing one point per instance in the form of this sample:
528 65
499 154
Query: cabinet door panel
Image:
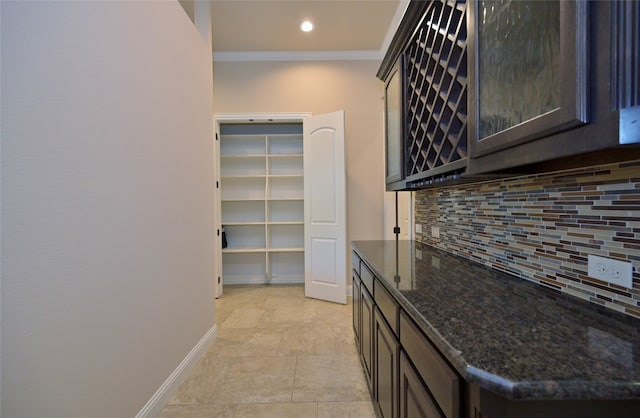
537 84
394 99
356 308
389 308
366 276
415 401
387 350
442 381
366 334
355 262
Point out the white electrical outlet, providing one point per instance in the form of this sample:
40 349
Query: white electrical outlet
418 228
435 231
611 271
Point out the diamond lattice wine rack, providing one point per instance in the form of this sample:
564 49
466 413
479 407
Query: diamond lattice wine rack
436 92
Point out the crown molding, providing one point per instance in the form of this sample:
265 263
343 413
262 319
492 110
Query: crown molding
374 55
395 23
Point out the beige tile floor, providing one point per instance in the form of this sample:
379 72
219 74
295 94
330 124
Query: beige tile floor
277 354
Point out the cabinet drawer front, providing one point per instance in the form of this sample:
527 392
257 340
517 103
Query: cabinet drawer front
367 277
387 305
355 261
442 381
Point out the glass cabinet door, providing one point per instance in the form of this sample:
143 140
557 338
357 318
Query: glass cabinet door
394 126
528 69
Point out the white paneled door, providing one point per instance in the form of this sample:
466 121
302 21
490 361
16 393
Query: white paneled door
325 207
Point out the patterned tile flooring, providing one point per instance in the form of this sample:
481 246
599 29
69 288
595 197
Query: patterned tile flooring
277 354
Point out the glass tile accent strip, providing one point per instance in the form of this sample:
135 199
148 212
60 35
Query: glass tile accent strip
436 88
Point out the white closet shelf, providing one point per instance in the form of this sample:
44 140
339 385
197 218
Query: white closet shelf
294 155
249 199
243 250
243 156
285 222
285 175
243 176
244 279
283 198
286 250
244 223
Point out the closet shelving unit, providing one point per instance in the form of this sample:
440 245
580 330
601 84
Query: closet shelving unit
262 208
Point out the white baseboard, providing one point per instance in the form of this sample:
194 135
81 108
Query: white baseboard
162 396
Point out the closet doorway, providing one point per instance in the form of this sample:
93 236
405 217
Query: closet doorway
281 202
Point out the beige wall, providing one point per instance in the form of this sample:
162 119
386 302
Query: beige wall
321 87
107 208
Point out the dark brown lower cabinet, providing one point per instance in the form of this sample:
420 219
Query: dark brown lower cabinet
443 383
387 351
408 377
415 400
366 334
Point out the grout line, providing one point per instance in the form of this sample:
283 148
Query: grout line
335 332
295 371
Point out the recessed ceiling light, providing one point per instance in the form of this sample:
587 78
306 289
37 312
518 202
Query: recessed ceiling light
306 26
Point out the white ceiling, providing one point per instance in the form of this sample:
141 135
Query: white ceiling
344 29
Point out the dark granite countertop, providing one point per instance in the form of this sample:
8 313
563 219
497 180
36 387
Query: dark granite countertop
510 336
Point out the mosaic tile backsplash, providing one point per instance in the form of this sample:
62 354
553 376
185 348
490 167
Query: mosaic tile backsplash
543 227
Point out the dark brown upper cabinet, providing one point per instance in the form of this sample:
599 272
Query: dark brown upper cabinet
428 54
505 87
528 71
580 108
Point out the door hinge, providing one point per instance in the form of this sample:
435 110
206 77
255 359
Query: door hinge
217 185
216 136
218 279
218 232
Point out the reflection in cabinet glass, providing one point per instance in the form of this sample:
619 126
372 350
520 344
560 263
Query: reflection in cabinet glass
528 65
394 136
519 43
262 203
